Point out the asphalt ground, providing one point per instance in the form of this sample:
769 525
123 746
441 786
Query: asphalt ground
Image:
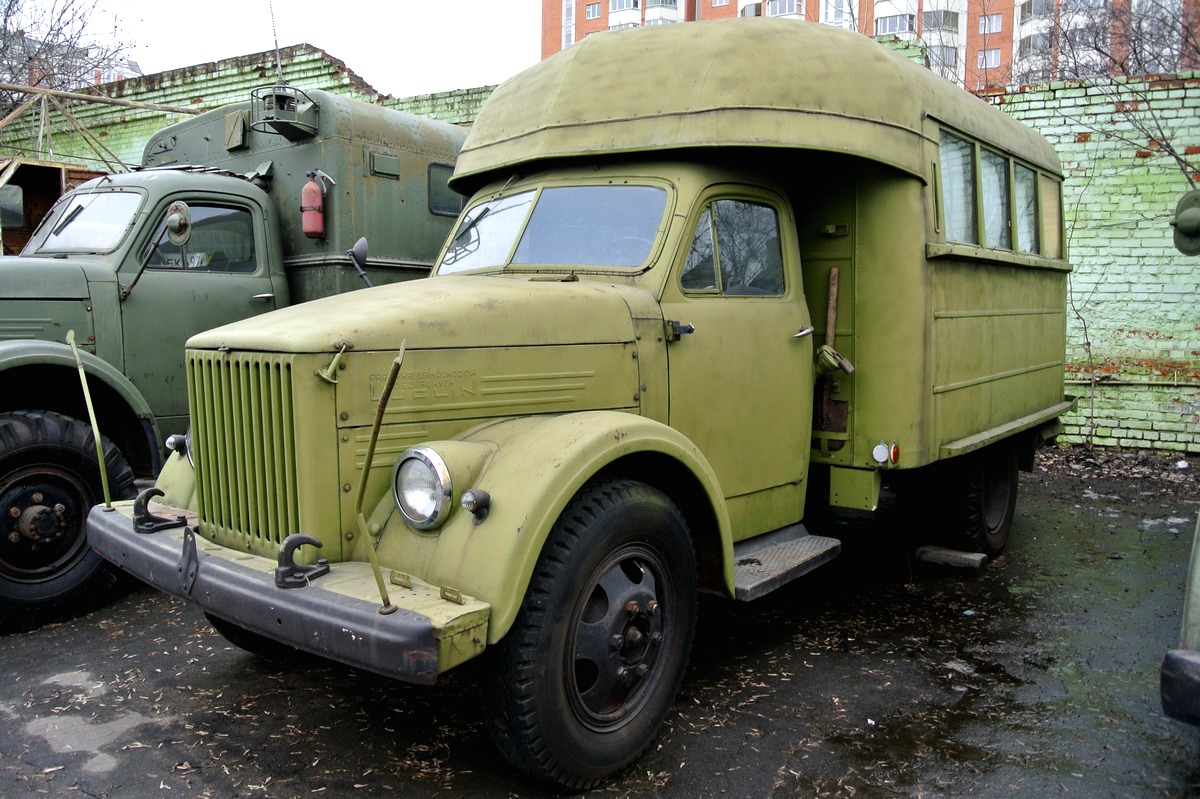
876 676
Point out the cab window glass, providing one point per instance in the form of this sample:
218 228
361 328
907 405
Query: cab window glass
958 189
994 169
1025 193
222 240
735 251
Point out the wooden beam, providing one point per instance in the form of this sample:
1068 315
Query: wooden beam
98 98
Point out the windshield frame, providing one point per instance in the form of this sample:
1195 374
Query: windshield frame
82 198
536 187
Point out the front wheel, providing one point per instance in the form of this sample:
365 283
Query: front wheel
595 657
49 481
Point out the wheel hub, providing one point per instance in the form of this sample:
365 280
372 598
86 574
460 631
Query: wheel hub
618 641
39 523
40 517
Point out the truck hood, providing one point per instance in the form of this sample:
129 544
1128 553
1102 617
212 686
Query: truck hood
28 278
443 313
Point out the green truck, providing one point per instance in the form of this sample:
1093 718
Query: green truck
670 330
237 211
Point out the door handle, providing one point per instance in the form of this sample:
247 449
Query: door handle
268 296
807 330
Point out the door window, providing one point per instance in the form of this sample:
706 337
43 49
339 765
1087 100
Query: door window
735 251
222 240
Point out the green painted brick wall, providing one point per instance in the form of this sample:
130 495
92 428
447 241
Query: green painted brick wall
1134 317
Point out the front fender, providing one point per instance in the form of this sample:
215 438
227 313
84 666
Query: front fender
533 468
121 410
20 353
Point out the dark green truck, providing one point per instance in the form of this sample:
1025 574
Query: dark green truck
237 211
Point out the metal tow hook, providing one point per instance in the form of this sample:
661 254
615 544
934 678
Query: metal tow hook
289 575
146 522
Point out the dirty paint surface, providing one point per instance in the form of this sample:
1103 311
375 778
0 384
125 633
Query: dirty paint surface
874 677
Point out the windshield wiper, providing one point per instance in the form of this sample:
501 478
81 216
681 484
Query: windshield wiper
66 220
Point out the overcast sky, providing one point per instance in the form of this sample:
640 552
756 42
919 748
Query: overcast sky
402 47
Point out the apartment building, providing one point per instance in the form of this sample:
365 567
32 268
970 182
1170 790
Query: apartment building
975 43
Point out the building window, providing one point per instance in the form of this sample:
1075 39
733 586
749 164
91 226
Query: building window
650 22
622 25
621 5
591 11
940 21
1036 9
777 8
12 206
989 59
943 57
991 23
568 29
899 23
1033 44
720 3
661 3
837 12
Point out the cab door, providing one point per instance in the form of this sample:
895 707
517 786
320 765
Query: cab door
220 275
740 354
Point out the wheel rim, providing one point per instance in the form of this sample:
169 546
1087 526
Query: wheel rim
619 629
42 510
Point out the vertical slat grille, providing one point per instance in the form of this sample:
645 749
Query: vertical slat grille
243 437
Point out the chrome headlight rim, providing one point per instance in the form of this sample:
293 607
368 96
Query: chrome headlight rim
440 496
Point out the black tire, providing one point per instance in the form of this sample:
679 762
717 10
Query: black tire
988 500
593 662
49 481
255 644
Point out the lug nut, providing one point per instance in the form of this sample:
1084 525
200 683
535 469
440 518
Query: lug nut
642 670
14 538
37 497
652 607
14 512
617 642
632 607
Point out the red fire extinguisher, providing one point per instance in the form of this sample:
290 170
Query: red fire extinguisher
312 204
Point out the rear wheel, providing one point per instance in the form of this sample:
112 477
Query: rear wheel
988 500
595 657
49 481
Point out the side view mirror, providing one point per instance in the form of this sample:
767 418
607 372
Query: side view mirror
358 258
1187 223
179 223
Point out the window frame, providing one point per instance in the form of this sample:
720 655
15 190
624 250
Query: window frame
1031 227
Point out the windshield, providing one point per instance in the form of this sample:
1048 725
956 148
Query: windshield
597 225
91 223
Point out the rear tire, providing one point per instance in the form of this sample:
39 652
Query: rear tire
49 481
593 662
988 500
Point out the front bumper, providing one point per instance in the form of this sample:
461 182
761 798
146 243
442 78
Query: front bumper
334 617
1179 685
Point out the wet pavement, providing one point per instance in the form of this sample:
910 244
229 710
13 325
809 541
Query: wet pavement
876 676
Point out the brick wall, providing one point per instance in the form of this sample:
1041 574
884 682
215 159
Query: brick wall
1134 316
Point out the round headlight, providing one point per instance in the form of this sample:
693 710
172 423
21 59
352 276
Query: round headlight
422 488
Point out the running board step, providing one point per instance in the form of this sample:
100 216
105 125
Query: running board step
764 563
